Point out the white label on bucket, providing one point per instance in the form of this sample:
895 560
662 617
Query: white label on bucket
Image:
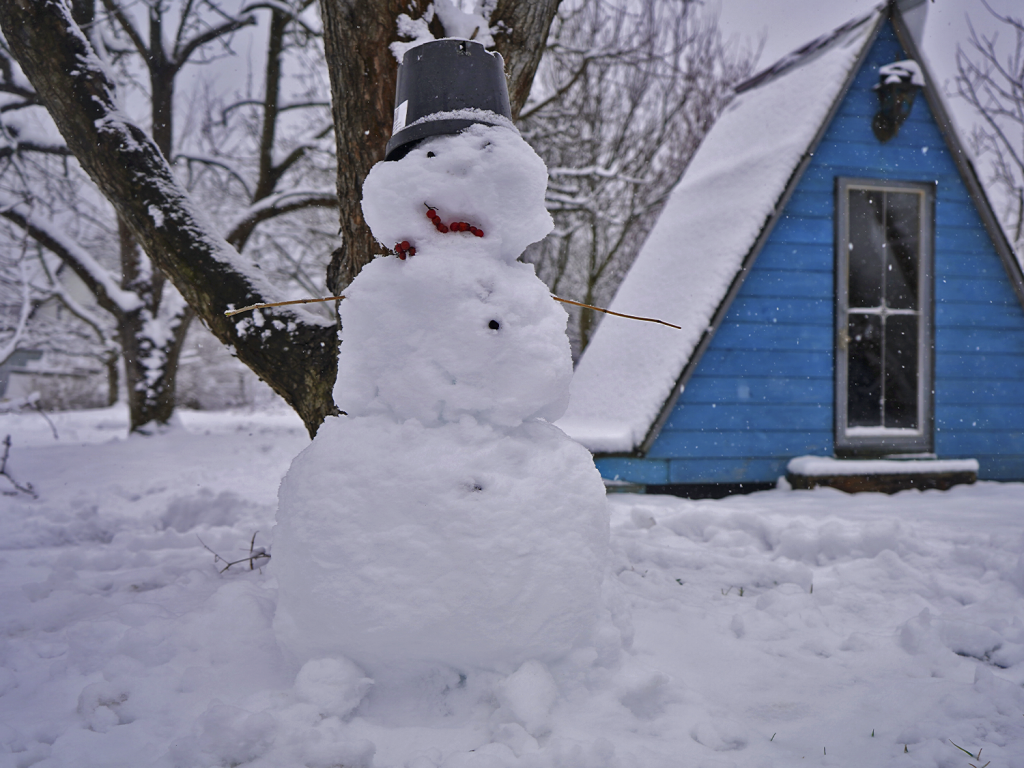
400 112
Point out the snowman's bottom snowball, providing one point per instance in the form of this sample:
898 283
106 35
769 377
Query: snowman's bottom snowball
460 544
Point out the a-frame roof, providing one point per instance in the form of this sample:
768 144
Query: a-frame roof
715 223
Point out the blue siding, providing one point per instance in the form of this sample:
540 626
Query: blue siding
763 391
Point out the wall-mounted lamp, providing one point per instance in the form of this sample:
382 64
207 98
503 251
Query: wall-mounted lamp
898 84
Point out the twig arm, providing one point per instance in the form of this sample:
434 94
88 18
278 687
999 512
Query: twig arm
617 314
231 312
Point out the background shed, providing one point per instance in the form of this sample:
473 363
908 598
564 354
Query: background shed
756 255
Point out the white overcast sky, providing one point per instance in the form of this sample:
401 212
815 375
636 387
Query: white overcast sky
788 24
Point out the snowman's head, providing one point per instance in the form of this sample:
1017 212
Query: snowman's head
486 175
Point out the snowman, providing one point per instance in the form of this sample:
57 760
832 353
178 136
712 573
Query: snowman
444 519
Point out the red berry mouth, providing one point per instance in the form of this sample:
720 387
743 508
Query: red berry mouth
404 248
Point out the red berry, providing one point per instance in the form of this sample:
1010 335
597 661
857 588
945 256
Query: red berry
404 245
401 256
442 228
478 232
412 251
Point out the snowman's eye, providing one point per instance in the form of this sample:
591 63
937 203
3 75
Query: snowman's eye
494 325
430 154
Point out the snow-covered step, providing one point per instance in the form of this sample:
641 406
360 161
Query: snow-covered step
881 475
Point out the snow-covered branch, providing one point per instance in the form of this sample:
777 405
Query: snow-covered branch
100 281
14 335
277 205
217 162
183 52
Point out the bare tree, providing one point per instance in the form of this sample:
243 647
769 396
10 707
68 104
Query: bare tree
19 296
38 312
991 79
269 154
625 94
293 350
151 317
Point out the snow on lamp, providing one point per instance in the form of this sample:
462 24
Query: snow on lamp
898 84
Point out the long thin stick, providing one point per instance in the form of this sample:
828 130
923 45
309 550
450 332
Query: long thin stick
617 314
231 312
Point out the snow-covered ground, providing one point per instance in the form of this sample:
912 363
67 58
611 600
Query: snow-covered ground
778 629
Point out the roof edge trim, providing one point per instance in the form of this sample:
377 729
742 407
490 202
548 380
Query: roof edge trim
789 60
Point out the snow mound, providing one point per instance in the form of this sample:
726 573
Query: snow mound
397 543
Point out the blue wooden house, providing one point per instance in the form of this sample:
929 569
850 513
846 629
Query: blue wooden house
843 286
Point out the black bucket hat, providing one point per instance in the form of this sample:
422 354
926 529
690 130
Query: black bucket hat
446 76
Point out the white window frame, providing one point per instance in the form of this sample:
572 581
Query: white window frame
883 441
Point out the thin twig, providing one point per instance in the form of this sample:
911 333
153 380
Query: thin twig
255 553
27 488
53 428
231 312
617 314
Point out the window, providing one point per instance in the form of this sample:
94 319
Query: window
883 317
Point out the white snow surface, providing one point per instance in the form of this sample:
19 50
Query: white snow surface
708 226
826 465
462 19
403 545
468 20
122 645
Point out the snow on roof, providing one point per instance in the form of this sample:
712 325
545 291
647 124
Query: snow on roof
709 225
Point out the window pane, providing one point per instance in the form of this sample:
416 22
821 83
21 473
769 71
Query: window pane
864 371
867 236
901 371
903 228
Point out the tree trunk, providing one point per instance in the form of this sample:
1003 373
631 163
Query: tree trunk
112 361
521 41
151 367
362 72
161 85
151 339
